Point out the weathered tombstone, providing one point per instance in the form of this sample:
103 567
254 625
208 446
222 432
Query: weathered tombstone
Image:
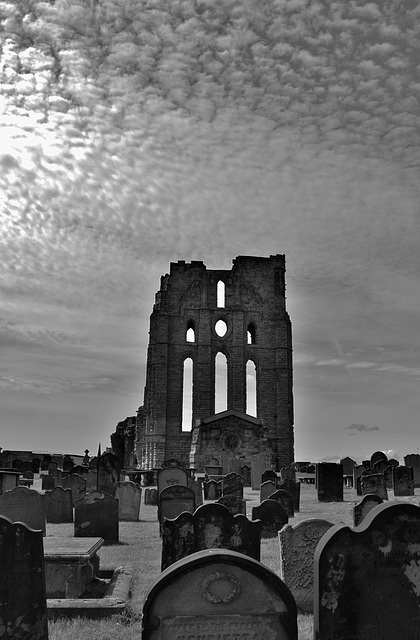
269 475
293 488
175 499
297 550
288 473
413 460
267 488
209 527
389 476
234 503
52 466
245 473
96 516
348 466
284 498
329 482
47 483
151 496
23 611
91 480
80 469
380 466
129 499
403 481
108 472
232 485
58 505
196 485
212 489
68 463
374 483
367 579
363 507
225 459
170 476
77 484
24 505
36 463
357 472
377 457
273 517
57 474
219 594
259 462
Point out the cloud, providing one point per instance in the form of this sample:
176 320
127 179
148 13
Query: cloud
362 427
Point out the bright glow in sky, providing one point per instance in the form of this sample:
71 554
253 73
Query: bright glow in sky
134 133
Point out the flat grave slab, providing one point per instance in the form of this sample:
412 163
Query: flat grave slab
70 564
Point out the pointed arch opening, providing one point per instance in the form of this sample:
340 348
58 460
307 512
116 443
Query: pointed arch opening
251 334
220 383
190 333
221 290
251 388
187 394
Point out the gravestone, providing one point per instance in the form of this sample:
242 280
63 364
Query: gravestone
210 526
80 469
284 498
267 488
58 505
297 550
245 473
91 480
259 462
52 466
269 475
197 486
68 463
273 517
129 499
76 483
389 476
374 483
366 505
47 483
235 504
23 611
357 472
96 516
380 466
173 500
151 496
232 485
170 476
293 488
403 481
57 474
367 579
287 473
377 457
24 505
219 594
212 489
413 460
329 482
108 473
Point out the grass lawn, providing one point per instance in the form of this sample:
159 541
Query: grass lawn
140 546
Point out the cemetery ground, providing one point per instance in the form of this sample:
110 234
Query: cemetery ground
140 547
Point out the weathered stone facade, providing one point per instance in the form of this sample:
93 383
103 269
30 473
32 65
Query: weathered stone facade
257 329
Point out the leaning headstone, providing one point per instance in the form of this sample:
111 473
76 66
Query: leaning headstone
374 483
366 505
219 594
96 516
259 462
273 517
235 504
129 499
232 485
151 496
212 489
413 460
108 472
329 482
403 481
58 505
297 550
170 476
173 500
284 498
367 579
23 611
293 488
24 505
267 488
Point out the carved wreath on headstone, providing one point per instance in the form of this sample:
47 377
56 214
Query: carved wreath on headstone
222 583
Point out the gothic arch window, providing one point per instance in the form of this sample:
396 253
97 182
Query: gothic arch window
251 388
220 382
251 334
187 394
190 333
221 290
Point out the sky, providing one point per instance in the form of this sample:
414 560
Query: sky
135 133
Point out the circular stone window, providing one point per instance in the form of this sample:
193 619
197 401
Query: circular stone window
221 328
231 441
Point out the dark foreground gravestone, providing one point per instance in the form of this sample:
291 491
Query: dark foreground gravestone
367 579
59 505
23 609
329 482
362 508
273 517
403 481
24 505
96 516
219 595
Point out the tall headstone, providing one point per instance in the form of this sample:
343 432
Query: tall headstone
293 488
403 481
175 499
96 516
129 499
288 472
357 472
108 472
362 508
76 483
259 463
273 517
57 474
59 505
216 594
24 505
413 460
245 473
266 489
170 476
197 486
329 482
47 483
232 485
297 550
23 611
91 480
374 483
367 579
376 457
212 489
284 498
269 475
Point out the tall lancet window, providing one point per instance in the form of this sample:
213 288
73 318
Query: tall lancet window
251 388
251 334
220 386
190 335
187 395
221 293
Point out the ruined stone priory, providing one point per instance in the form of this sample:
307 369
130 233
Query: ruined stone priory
205 321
